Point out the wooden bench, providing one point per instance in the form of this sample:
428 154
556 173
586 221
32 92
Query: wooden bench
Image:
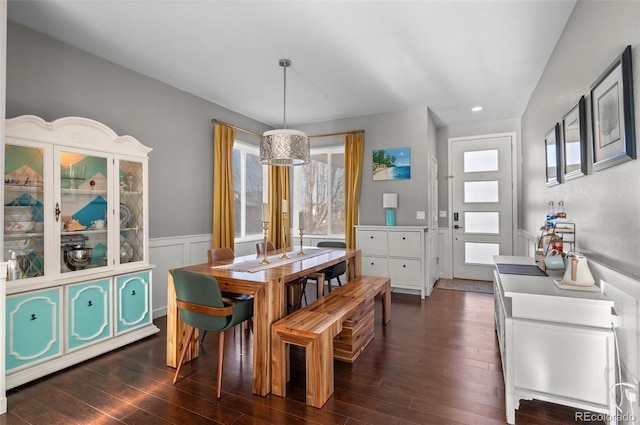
343 319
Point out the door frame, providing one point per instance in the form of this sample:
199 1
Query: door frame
448 248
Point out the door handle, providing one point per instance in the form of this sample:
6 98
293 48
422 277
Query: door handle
455 226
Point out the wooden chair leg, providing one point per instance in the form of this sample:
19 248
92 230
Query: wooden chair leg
185 346
220 358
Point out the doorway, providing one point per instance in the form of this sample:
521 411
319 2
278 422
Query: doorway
482 207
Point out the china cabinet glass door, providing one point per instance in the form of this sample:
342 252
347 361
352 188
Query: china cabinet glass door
82 210
24 211
131 208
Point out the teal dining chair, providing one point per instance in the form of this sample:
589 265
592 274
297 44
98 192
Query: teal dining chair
200 306
333 272
226 253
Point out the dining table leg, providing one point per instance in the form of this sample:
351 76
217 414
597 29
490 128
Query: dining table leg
177 329
268 306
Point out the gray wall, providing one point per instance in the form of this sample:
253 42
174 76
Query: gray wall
52 80
413 129
605 204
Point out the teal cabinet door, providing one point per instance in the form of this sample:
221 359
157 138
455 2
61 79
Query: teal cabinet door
88 313
133 294
33 328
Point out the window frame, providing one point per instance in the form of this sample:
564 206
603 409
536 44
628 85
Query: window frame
247 148
297 180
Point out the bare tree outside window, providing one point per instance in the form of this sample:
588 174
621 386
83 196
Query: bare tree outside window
322 194
248 189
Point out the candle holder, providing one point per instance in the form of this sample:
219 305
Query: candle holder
265 228
284 255
301 252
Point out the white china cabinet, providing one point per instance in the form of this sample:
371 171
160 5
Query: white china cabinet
76 242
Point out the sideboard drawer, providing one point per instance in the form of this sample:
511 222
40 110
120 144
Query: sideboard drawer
372 242
404 244
374 266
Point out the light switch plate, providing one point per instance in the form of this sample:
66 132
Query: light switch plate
420 215
443 214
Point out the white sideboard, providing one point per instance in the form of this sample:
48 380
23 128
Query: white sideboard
397 252
556 345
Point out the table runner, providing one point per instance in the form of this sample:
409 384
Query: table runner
253 266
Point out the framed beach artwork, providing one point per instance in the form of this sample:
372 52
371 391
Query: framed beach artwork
392 164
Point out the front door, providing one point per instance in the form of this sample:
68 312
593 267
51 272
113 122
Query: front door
482 202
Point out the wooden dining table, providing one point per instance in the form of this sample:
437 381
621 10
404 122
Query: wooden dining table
268 288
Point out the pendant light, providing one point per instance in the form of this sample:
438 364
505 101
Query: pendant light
284 147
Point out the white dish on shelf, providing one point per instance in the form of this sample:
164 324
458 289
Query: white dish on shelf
125 215
18 226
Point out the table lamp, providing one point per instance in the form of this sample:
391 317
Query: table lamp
390 202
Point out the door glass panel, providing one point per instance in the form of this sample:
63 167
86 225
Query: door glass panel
131 218
83 211
478 161
482 191
482 222
480 253
23 211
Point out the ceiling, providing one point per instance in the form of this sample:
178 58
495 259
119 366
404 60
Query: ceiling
349 58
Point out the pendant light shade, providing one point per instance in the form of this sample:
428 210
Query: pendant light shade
284 147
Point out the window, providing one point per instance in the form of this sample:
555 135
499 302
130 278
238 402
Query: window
249 186
319 192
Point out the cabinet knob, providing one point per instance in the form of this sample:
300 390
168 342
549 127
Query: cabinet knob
133 292
33 317
403 238
371 237
404 265
57 212
372 263
89 304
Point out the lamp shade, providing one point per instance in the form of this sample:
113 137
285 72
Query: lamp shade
390 200
284 148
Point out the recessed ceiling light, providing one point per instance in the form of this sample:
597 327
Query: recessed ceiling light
476 109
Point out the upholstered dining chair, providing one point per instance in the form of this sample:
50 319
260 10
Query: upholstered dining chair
200 306
335 271
226 253
294 302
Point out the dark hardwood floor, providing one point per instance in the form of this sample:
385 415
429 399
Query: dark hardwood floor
437 362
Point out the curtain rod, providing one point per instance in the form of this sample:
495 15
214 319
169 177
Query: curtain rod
215 121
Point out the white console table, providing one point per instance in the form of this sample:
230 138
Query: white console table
556 345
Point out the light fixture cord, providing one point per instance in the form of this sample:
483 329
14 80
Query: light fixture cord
284 113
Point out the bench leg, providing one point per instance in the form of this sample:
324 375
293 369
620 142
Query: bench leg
279 365
319 367
386 302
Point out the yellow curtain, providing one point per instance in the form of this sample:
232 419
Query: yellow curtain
223 225
278 192
353 154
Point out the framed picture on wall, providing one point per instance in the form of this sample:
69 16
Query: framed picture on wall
392 164
612 114
574 141
552 155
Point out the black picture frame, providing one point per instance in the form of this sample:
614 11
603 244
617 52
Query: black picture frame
612 114
553 156
574 141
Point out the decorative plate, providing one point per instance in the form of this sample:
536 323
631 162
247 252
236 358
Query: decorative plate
126 252
125 215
